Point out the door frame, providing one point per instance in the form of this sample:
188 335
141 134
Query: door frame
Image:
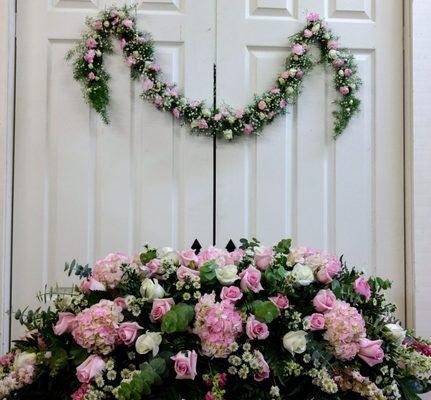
7 115
412 165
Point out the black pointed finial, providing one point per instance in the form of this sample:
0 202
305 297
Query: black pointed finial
230 247
196 246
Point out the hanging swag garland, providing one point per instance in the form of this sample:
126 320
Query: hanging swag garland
138 51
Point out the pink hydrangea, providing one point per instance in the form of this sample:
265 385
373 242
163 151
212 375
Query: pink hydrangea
220 256
217 324
345 328
96 328
108 270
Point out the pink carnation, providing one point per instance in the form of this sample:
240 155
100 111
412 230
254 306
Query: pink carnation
344 329
91 43
98 25
344 90
261 105
96 328
108 270
217 325
202 124
89 56
308 33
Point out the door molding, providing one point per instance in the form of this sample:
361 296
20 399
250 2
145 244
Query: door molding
7 105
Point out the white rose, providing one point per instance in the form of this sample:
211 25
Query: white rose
227 274
150 341
151 289
231 120
333 53
206 112
395 332
303 274
168 253
315 28
24 359
292 72
228 134
295 342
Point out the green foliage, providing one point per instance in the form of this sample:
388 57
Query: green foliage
74 268
141 383
208 272
265 311
147 256
178 318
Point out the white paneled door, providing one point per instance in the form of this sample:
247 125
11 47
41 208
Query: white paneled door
295 181
82 189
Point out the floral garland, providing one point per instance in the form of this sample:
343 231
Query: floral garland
270 323
138 51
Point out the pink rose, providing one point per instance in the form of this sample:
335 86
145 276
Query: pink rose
231 293
155 67
128 23
90 368
185 365
93 285
317 322
285 75
176 113
160 308
324 300
344 90
218 117
333 44
183 271
89 56
65 323
123 43
210 396
328 271
362 287
256 329
308 33
148 84
120 302
298 49
91 43
151 268
275 91
128 332
299 74
263 257
248 128
339 62
370 351
239 113
130 61
282 103
91 76
250 280
312 17
261 105
280 301
188 257
347 72
98 25
202 124
263 367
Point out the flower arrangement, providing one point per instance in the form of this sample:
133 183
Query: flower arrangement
281 322
228 123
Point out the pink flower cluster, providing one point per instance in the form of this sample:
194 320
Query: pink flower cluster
108 270
345 328
96 328
217 325
326 266
220 256
21 373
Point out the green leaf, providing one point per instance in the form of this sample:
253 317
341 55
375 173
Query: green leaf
283 246
159 365
265 311
415 385
207 272
178 318
148 256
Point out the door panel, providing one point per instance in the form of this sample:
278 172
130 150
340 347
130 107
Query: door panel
83 189
295 181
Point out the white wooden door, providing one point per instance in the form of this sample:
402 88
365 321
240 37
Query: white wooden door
295 181
83 189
